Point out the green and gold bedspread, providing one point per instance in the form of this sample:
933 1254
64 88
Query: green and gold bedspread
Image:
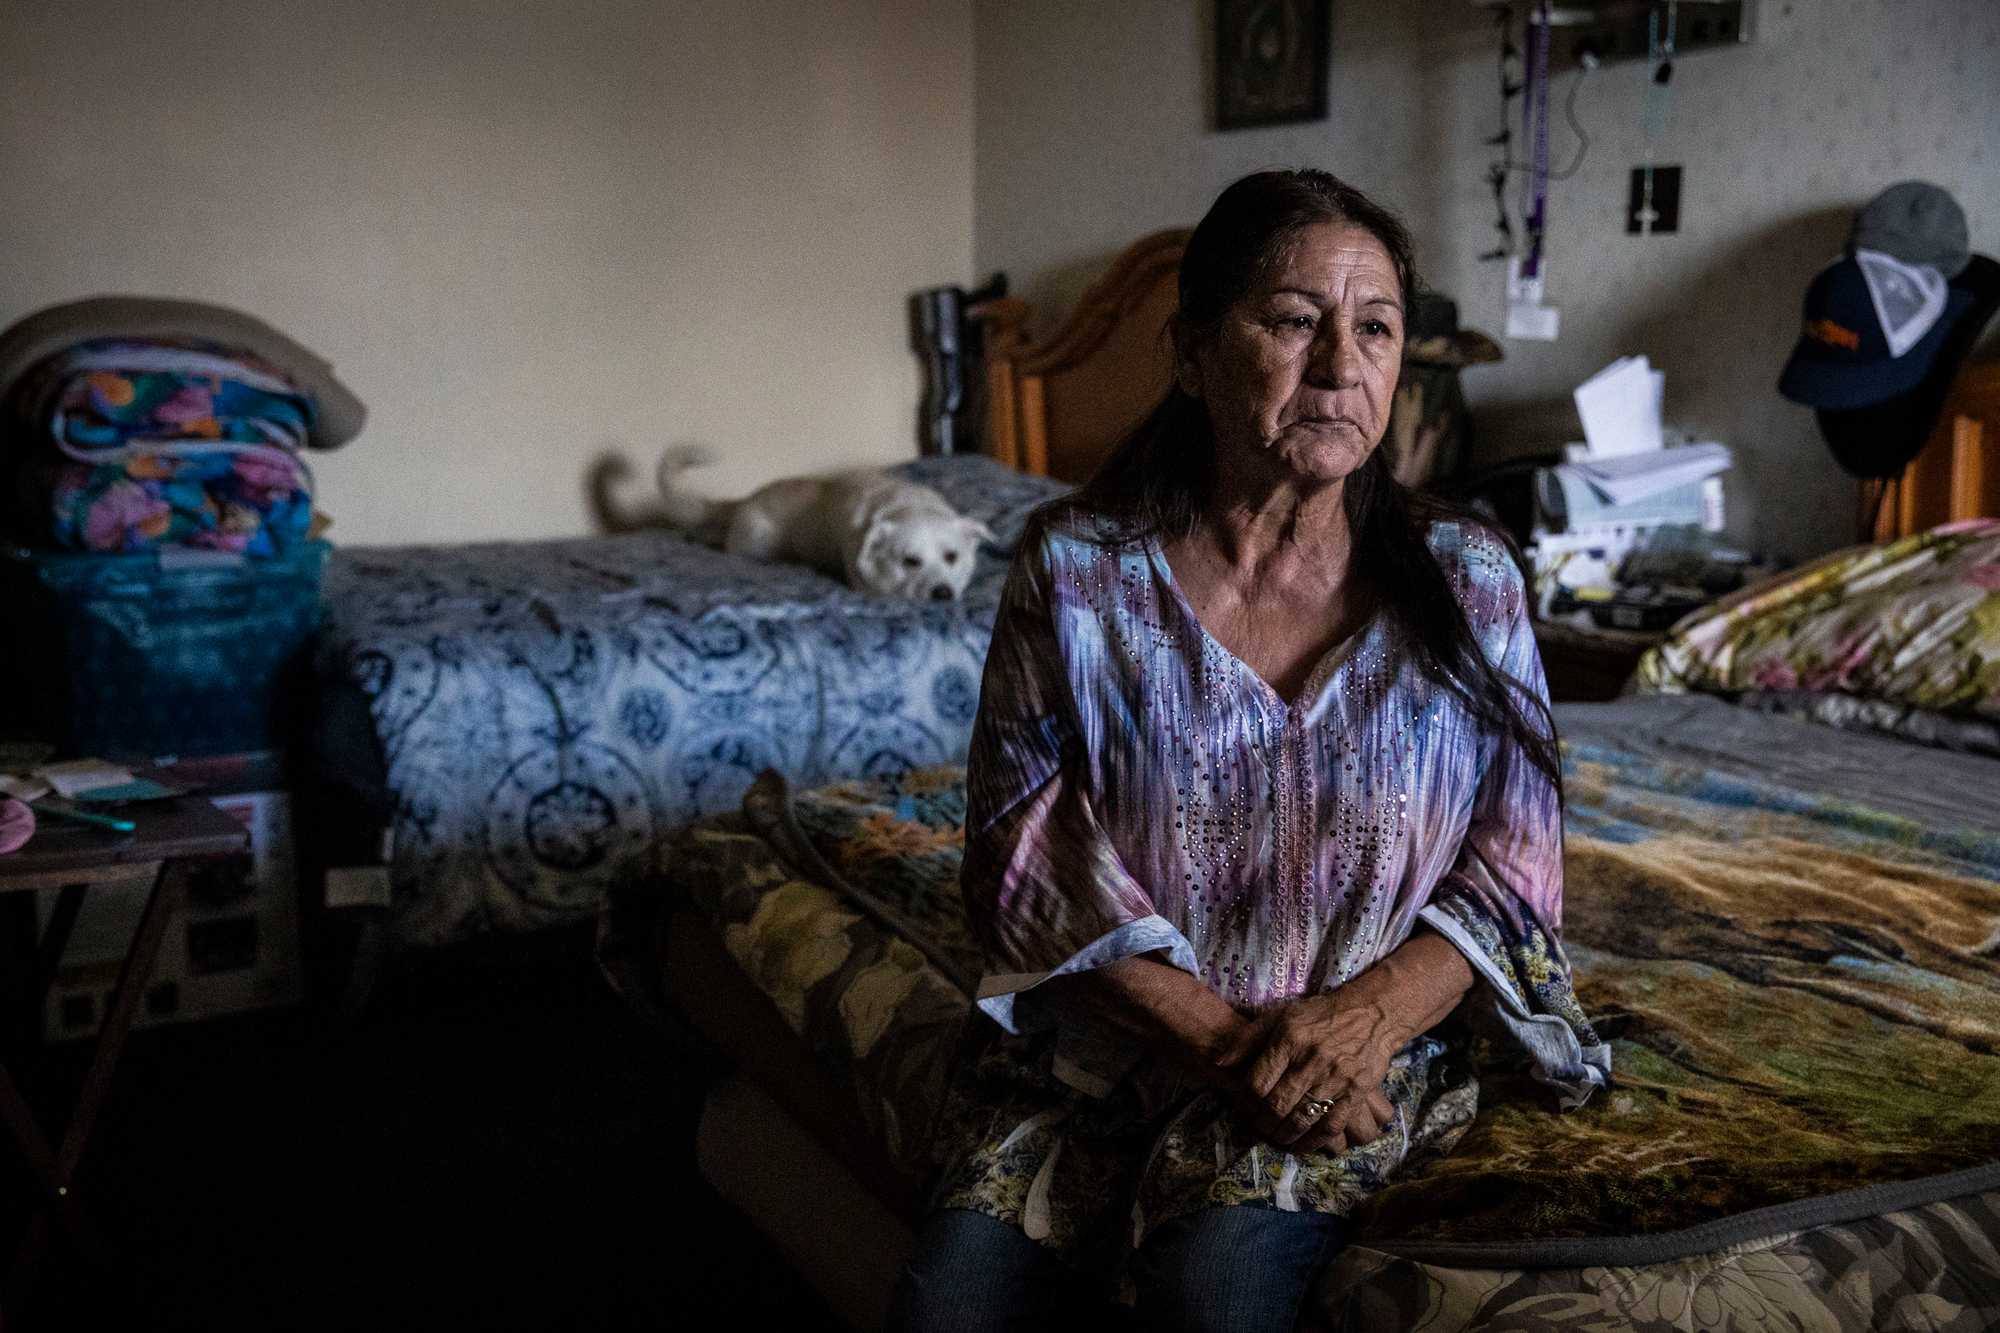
1802 991
1802 996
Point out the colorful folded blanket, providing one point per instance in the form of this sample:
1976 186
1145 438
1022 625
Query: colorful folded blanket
114 394
160 443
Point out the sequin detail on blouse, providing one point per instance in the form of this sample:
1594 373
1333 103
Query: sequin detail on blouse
1135 789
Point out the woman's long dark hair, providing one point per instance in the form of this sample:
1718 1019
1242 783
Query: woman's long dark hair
1158 479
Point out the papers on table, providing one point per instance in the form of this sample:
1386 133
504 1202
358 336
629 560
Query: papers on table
77 776
1621 407
1625 478
1681 485
1621 490
1623 475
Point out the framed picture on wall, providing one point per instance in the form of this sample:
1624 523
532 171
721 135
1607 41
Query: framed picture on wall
1270 61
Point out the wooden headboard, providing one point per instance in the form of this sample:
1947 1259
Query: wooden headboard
1056 407
1957 474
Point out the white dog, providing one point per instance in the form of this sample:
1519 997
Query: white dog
882 535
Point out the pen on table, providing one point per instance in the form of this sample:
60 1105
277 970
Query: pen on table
82 816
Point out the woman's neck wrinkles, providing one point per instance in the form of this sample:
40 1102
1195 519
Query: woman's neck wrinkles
1259 531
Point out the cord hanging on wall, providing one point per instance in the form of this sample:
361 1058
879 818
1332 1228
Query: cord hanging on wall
1528 316
1514 83
1503 138
1535 129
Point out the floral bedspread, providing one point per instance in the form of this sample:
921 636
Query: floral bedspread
1913 623
1799 987
841 905
545 710
1932 1266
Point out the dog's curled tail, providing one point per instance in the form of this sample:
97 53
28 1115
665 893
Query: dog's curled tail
699 517
606 473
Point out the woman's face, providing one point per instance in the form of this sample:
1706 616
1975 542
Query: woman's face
1301 371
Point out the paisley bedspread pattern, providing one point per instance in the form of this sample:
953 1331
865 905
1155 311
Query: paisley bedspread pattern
546 710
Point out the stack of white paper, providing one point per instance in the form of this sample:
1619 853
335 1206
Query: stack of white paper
1624 479
1620 406
73 777
1633 490
1627 477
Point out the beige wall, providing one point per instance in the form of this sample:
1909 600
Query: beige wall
523 231
1779 142
1090 128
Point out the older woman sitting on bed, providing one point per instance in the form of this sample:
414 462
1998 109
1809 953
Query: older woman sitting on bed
1263 787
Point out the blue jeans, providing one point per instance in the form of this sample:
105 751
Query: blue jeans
1245 1267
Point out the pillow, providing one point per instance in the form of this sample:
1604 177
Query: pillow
1913 622
34 338
1962 732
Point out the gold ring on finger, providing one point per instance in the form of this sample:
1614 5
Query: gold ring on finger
1316 1109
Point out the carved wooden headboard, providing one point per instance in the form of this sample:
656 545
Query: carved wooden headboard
1957 474
1056 407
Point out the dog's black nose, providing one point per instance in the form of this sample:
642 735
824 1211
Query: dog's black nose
941 593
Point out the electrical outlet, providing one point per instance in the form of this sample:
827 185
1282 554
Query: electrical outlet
1666 202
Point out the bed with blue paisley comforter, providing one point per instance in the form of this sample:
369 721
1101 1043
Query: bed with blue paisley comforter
545 709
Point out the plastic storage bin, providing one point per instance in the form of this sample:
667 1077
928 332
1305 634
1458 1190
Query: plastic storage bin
165 653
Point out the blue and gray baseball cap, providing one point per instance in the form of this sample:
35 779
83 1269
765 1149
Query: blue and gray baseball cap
1873 327
1916 222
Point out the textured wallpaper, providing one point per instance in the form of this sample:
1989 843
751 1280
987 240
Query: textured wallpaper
1779 142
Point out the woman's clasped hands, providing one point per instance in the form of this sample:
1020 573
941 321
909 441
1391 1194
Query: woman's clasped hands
1308 1075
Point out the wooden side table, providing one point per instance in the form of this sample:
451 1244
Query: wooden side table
1590 665
74 859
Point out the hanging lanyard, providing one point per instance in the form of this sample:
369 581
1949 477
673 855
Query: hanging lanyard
1535 129
1653 111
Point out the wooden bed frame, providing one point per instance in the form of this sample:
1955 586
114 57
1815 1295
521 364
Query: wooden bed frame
1957 475
1055 408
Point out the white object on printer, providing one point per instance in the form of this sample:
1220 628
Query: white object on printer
1628 477
1621 407
1712 519
1634 492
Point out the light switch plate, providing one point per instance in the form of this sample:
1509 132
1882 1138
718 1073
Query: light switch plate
1666 201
